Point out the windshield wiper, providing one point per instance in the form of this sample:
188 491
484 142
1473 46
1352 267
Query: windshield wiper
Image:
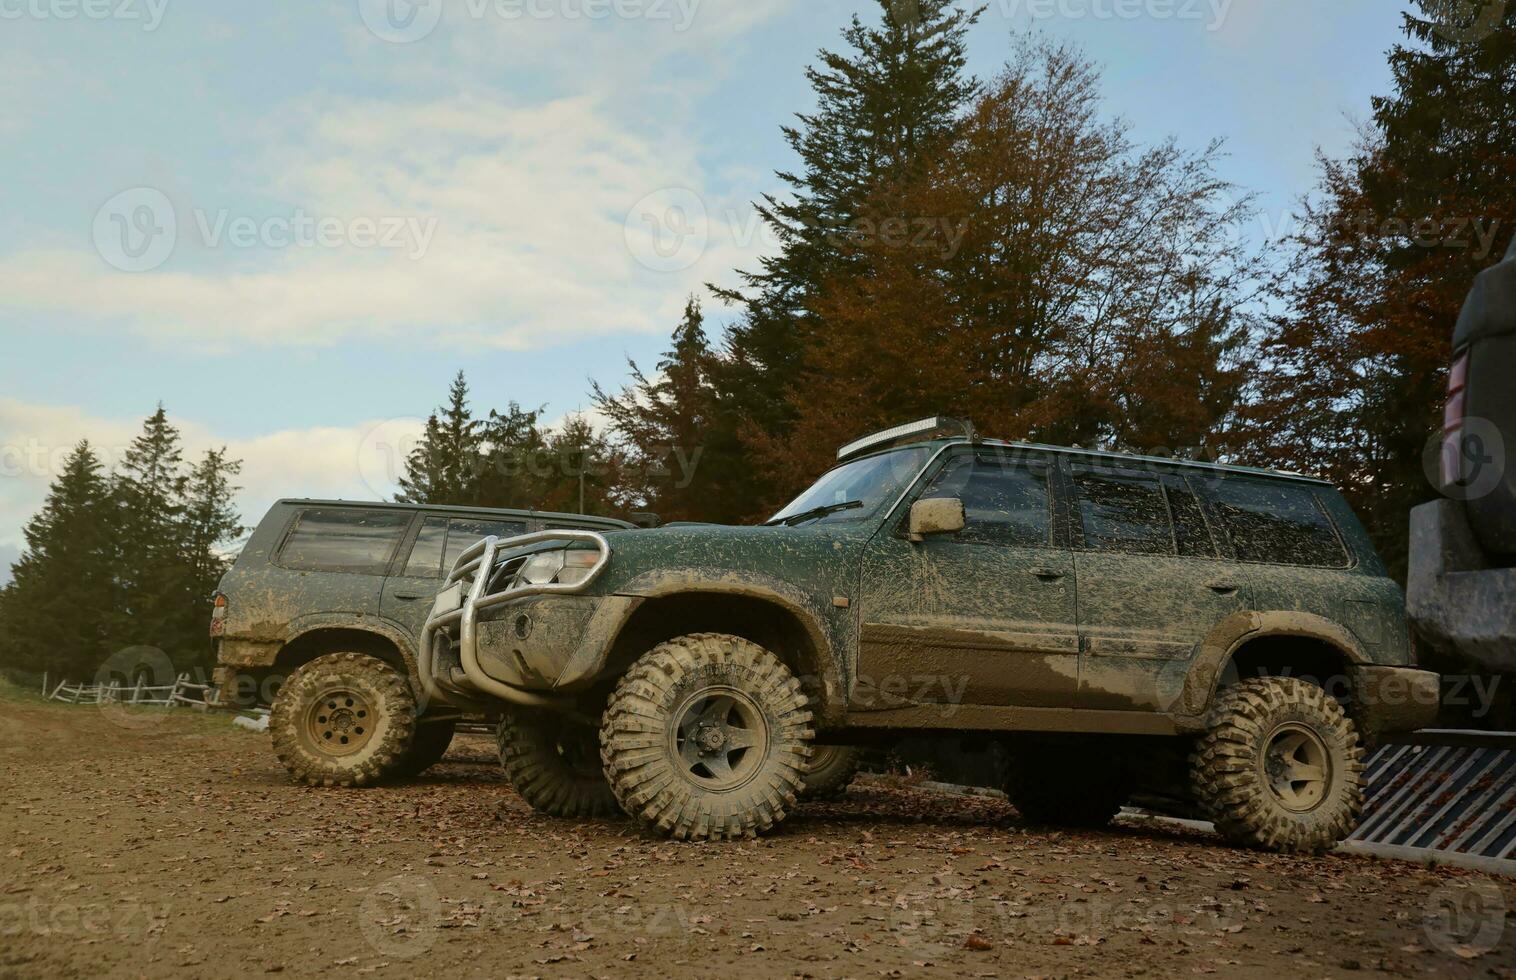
814 513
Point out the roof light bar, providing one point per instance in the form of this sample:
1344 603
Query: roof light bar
900 433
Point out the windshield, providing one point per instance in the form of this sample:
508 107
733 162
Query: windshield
867 484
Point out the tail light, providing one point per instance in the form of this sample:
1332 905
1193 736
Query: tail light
1452 422
218 614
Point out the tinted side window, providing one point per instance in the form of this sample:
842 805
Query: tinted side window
1005 503
344 540
426 555
441 540
1125 514
1278 524
1191 534
462 534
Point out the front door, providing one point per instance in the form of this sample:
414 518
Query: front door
436 546
1151 586
982 617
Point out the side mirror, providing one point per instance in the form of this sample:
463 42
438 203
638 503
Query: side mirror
937 515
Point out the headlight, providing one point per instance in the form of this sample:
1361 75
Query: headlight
565 567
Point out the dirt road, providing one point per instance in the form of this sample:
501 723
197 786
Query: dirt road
136 845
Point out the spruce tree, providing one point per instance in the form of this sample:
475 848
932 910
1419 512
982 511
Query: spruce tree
54 616
444 466
679 465
149 491
513 457
883 104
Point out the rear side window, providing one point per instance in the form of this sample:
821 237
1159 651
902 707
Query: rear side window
344 540
1004 502
443 539
1278 524
1125 514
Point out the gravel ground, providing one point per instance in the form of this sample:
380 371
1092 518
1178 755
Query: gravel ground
141 844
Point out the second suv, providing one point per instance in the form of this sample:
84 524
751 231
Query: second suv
320 615
1221 638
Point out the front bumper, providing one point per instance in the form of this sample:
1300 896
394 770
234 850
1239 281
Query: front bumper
1387 700
1457 602
520 655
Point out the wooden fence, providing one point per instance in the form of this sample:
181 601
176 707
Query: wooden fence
181 692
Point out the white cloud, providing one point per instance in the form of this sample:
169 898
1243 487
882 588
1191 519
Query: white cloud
527 204
361 462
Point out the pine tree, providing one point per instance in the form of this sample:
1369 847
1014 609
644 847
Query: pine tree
677 464
55 614
513 454
210 520
444 466
882 107
149 491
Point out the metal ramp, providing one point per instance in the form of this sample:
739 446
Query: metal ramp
1451 793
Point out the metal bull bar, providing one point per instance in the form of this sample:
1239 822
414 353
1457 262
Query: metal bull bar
484 593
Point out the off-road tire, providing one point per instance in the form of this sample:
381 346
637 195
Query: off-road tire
669 706
388 724
1229 766
1064 783
554 764
832 770
428 746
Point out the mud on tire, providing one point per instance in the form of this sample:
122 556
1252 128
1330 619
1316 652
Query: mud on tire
1281 767
554 764
832 769
707 737
345 719
1065 782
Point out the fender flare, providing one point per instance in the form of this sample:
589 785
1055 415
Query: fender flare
305 625
667 583
1232 633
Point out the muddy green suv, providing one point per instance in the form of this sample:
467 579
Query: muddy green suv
1213 639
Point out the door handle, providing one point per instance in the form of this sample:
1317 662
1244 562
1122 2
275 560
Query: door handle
1223 588
1046 574
407 596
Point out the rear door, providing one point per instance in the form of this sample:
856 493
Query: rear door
433 546
1152 583
982 617
333 560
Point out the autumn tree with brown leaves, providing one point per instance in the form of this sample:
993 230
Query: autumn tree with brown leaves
1043 275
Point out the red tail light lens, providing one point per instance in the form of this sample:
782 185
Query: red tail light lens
218 614
1452 422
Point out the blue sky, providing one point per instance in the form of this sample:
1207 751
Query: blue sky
292 222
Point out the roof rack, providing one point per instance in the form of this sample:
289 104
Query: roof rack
909 432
